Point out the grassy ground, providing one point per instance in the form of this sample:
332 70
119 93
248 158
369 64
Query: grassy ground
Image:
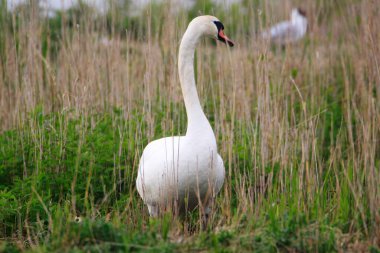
298 129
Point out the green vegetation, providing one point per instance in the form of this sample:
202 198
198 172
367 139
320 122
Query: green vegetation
298 129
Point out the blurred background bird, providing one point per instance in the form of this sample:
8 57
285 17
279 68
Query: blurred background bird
290 31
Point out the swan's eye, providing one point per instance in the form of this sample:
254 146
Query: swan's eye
219 25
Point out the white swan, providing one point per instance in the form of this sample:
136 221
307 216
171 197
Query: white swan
181 172
288 31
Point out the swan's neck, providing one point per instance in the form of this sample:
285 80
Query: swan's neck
197 121
299 20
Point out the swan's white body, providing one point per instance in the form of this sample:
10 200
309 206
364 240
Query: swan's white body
184 171
288 31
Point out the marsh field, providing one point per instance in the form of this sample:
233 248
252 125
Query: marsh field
298 128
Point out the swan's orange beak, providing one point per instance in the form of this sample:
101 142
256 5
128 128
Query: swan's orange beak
222 37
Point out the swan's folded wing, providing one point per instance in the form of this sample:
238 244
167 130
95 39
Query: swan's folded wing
220 170
160 149
155 164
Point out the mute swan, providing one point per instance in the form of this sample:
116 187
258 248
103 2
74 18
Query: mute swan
180 172
288 31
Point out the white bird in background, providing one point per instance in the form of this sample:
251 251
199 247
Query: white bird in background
288 31
183 172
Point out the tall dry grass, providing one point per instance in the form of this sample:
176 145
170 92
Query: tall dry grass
306 119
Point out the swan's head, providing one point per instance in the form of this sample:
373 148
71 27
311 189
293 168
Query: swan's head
211 26
298 12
